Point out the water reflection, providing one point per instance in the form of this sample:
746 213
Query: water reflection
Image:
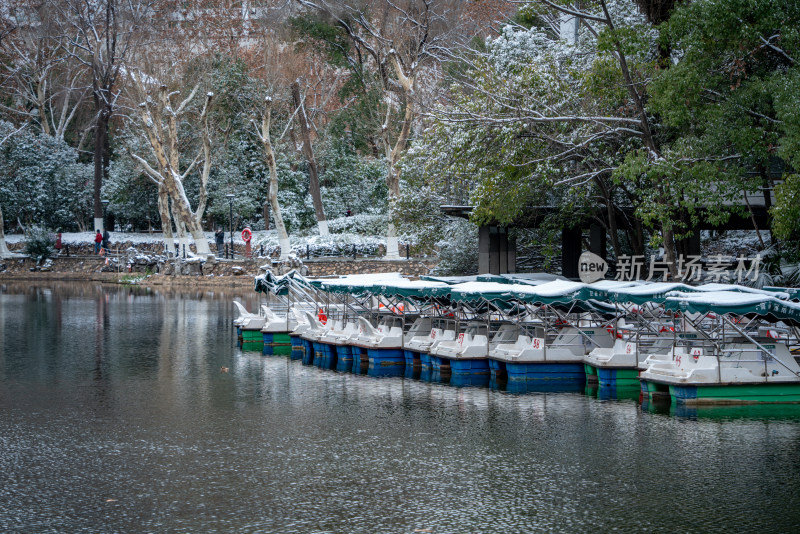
115 415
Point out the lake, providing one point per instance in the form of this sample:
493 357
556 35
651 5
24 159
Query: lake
116 416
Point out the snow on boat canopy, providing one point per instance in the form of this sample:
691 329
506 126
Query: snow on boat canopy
718 298
714 343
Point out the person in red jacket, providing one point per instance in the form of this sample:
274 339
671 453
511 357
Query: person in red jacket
98 238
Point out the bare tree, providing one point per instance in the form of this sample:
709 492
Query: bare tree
308 152
159 123
401 38
100 36
272 196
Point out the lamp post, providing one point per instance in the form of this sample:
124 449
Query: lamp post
104 202
230 204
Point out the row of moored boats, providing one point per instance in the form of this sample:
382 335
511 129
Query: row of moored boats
714 343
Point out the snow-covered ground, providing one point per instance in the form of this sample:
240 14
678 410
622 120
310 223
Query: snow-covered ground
331 245
734 243
731 243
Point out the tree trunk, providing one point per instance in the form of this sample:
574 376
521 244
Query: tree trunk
668 235
41 97
181 208
166 218
308 151
612 216
100 133
4 252
393 174
180 229
638 245
272 196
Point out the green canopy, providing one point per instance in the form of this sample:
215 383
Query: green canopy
413 289
737 303
792 292
519 278
356 284
478 291
449 279
602 296
645 293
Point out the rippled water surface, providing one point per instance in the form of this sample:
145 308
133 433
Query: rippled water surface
115 416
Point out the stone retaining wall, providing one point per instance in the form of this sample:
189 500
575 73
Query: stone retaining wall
84 267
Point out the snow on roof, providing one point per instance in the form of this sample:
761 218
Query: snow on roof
720 298
555 288
369 279
741 289
483 287
405 283
651 289
613 285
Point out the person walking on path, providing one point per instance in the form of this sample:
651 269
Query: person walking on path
106 238
219 238
98 239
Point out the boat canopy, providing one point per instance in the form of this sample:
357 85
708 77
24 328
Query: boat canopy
522 278
735 303
605 296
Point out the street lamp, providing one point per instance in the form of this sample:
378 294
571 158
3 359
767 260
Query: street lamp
104 202
230 203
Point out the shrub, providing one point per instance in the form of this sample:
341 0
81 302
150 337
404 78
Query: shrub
458 251
363 224
40 243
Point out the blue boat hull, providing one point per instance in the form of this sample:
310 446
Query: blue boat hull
469 367
386 362
360 360
412 358
308 354
344 358
324 355
546 372
425 361
298 348
497 369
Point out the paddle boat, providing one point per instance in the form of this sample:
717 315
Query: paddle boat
298 348
748 359
414 338
275 332
379 347
309 336
337 342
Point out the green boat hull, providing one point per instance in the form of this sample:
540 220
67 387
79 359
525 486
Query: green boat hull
725 393
252 336
736 394
616 377
591 373
277 344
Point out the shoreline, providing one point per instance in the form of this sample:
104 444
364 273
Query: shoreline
131 279
213 274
